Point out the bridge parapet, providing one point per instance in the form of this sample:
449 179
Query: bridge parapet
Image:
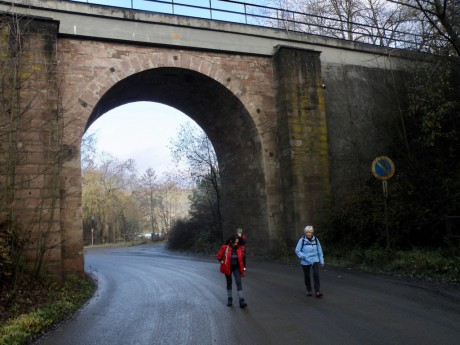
129 25
287 19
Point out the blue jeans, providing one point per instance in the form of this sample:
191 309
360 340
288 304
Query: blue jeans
235 269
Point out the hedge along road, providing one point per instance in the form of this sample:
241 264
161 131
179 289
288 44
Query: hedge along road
148 295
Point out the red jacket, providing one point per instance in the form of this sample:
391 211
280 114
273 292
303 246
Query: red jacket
224 256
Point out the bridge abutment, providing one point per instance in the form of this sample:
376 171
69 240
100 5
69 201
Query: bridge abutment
302 133
33 205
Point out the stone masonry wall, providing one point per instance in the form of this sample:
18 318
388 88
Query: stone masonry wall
243 131
31 137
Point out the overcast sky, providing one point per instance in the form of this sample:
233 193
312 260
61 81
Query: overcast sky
141 131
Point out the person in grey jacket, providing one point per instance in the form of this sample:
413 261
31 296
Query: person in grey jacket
310 253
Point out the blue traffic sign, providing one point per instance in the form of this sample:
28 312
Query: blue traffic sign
383 168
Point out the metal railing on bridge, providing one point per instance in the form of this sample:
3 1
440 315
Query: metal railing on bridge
258 13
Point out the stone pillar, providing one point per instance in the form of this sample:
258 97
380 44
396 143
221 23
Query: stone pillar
31 140
302 135
71 200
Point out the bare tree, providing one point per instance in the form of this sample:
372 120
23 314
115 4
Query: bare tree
444 18
425 25
88 151
159 199
146 193
194 147
105 189
170 195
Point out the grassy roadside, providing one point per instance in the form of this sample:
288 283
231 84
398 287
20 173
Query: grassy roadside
34 306
428 265
441 266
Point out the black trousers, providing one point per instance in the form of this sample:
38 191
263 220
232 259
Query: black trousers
306 275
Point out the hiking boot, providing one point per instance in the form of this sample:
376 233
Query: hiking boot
243 303
229 302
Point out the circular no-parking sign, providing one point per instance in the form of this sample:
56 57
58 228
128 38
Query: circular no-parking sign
383 168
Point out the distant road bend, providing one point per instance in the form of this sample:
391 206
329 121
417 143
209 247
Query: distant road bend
148 295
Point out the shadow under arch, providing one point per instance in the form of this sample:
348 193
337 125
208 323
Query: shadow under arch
226 122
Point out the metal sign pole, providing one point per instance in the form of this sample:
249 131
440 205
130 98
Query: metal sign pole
383 169
385 196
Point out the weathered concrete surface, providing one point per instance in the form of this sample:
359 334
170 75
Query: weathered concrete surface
294 119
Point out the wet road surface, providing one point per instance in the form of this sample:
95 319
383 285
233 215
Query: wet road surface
147 295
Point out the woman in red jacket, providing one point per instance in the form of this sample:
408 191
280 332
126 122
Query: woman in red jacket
230 256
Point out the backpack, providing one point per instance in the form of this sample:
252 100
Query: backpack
303 243
316 243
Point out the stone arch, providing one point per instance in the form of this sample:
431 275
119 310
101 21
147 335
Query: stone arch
120 70
215 100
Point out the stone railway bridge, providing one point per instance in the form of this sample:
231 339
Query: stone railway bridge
295 119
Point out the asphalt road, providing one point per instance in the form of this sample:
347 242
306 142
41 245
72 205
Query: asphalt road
147 295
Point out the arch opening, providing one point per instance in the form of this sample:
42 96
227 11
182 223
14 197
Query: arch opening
228 125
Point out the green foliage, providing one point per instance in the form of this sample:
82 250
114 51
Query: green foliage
62 301
5 251
426 186
422 263
183 235
12 244
20 330
358 218
202 231
433 107
429 177
415 263
205 210
191 236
